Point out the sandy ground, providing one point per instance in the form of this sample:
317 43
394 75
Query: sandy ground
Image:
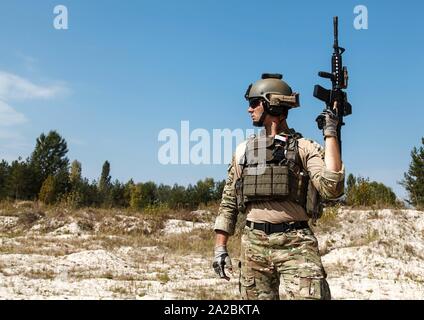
375 255
367 255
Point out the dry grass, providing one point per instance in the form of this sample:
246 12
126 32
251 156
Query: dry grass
44 245
163 277
372 235
44 273
329 219
374 215
414 277
28 219
340 267
211 293
105 229
112 242
199 241
365 239
409 249
11 207
81 273
29 213
127 290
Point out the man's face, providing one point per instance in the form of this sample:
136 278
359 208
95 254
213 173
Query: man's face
256 108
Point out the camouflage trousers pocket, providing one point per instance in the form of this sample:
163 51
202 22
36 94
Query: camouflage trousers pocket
247 288
314 288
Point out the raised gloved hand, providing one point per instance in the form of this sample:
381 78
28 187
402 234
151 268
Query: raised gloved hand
221 262
327 122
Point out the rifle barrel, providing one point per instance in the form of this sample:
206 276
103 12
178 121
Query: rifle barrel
336 31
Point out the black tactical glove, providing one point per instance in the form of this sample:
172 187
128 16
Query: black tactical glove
327 122
221 261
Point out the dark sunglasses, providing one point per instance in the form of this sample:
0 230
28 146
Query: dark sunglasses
255 102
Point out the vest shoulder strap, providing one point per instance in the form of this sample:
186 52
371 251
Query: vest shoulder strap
240 154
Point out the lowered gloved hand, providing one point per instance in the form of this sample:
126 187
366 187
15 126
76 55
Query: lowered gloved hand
221 262
327 122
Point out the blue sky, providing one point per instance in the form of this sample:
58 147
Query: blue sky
125 70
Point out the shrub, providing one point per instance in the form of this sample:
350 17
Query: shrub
362 192
48 191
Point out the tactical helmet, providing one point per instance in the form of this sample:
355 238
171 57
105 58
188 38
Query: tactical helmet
275 92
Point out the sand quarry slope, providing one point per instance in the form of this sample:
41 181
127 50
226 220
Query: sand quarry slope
368 254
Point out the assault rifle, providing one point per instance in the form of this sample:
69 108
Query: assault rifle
336 97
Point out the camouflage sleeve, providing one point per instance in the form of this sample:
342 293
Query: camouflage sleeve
227 214
330 184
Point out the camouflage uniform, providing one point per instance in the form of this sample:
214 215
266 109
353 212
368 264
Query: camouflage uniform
284 265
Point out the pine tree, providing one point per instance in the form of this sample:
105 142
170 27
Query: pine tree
163 194
178 196
4 172
351 181
19 182
91 193
204 190
414 179
63 185
117 191
105 185
105 178
49 157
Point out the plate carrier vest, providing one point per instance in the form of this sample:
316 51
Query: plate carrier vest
272 171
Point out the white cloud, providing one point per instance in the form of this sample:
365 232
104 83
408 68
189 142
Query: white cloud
13 87
9 116
16 88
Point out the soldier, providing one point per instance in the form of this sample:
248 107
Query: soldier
278 180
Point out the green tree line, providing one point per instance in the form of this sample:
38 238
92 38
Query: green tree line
362 192
47 175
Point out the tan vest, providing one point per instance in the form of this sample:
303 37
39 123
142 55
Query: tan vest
273 171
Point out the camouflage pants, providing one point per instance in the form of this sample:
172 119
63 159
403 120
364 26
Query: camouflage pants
281 266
